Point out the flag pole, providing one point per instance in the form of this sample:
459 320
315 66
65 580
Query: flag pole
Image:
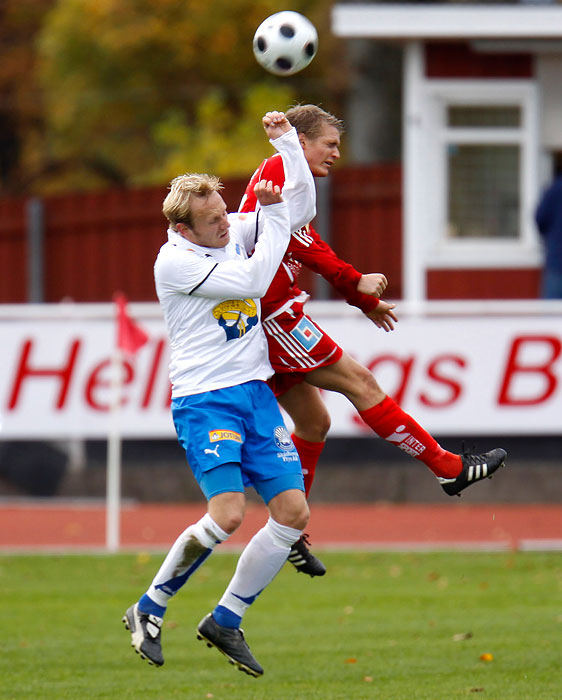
130 339
113 479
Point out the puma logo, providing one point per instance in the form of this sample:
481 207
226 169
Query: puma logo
212 452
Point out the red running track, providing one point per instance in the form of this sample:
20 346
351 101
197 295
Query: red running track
41 526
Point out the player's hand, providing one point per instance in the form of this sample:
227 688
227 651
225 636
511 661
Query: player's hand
373 284
267 193
275 124
383 316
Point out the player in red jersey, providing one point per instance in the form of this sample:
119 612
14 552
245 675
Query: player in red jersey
304 357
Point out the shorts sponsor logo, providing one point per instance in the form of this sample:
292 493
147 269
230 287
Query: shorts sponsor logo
282 438
216 435
306 333
288 456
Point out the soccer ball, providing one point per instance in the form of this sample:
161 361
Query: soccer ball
285 43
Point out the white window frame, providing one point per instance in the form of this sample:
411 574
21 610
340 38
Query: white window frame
442 252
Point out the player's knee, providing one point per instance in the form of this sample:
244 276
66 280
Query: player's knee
231 521
297 515
315 428
290 509
301 518
366 384
323 425
228 519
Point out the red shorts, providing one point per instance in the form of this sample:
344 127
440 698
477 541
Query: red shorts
297 345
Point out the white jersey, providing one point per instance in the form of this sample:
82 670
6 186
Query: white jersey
210 296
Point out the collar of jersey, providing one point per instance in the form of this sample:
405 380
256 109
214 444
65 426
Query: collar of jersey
180 242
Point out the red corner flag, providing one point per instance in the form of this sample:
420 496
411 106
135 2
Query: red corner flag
130 336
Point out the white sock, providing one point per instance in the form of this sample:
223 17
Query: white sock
259 564
188 552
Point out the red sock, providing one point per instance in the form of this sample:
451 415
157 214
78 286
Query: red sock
309 452
389 421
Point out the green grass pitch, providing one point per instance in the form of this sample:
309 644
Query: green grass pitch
390 626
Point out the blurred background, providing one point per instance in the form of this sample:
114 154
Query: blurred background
452 133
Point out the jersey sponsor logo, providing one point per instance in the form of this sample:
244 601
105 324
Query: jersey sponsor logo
236 317
406 441
306 333
216 435
282 438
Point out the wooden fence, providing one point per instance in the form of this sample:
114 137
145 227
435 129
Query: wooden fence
96 243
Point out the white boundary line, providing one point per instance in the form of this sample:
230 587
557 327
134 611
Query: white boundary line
524 545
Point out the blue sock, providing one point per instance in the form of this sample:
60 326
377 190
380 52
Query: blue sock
226 618
148 606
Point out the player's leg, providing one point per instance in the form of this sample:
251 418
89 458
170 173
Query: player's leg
311 422
272 466
190 550
387 419
259 564
214 457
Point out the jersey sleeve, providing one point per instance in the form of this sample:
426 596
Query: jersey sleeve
289 169
251 277
182 273
271 169
308 248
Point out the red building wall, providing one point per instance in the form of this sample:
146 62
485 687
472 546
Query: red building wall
97 243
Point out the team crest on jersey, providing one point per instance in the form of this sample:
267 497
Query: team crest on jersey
216 435
282 438
236 317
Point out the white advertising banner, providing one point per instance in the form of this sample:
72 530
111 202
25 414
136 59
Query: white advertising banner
458 368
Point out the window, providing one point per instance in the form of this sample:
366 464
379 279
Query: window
482 157
483 191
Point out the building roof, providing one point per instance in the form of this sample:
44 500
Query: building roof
404 21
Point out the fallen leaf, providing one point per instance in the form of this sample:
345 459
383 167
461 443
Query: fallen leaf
486 657
350 661
368 679
143 558
461 636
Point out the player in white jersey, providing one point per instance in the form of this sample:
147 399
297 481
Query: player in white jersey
226 417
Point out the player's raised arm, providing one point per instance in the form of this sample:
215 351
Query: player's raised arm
275 124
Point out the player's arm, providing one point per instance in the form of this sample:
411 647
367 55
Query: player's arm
309 249
291 172
251 277
200 275
383 315
299 190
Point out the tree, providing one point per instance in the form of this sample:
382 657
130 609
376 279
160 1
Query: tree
21 120
139 90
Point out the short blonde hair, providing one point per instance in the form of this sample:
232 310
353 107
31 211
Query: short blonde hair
310 119
177 204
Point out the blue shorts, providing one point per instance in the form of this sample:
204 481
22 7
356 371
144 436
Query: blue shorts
240 425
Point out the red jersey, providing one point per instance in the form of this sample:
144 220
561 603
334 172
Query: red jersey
305 248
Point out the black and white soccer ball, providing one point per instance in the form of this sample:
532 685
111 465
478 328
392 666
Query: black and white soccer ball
285 43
